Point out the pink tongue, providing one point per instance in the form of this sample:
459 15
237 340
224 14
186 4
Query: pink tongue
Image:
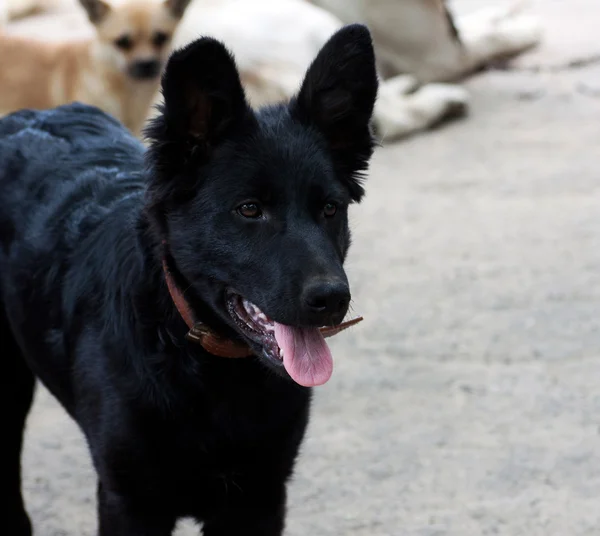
306 356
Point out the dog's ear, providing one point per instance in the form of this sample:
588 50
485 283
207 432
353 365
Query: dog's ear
337 97
177 7
203 105
96 9
202 93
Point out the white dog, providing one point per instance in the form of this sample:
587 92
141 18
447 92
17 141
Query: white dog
420 46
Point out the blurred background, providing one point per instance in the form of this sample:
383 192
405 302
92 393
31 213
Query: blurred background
468 401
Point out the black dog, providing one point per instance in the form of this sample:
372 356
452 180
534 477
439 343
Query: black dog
103 262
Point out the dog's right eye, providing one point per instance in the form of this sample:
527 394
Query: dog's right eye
250 210
159 39
124 42
330 210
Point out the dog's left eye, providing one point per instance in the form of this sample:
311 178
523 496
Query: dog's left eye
124 42
250 210
159 39
329 210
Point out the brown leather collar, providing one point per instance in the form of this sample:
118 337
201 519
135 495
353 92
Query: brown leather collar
211 341
199 332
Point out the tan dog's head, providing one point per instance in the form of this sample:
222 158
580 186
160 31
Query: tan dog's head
134 35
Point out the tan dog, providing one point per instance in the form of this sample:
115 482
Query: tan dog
117 68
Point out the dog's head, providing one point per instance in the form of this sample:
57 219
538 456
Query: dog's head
134 35
253 206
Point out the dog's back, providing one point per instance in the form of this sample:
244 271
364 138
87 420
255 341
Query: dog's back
64 184
55 161
36 76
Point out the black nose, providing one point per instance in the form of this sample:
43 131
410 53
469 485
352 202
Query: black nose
144 69
327 300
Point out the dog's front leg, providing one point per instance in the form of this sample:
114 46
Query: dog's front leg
118 516
257 518
403 108
246 523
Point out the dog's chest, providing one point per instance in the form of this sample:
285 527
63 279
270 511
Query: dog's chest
237 430
200 458
219 439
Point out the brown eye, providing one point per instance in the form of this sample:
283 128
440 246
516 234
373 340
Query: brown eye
250 210
124 42
159 39
329 210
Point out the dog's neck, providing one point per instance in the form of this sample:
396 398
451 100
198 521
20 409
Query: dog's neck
199 332
108 87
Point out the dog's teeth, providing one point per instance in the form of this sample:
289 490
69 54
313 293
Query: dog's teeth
259 319
254 311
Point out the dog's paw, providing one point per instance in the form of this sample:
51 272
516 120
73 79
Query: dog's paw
399 114
451 99
499 32
518 29
402 84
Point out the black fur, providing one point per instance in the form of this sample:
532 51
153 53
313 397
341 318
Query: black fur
85 223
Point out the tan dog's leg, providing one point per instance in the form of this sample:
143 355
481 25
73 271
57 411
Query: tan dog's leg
402 109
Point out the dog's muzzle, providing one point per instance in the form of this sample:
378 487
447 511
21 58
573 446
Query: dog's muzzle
145 70
214 343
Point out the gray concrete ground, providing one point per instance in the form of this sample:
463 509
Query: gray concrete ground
468 403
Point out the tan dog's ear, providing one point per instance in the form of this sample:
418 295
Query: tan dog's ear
95 9
177 7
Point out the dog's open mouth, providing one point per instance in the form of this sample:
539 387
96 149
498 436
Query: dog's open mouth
303 352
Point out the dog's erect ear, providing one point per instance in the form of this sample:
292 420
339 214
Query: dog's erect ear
202 92
177 7
337 97
96 9
203 105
